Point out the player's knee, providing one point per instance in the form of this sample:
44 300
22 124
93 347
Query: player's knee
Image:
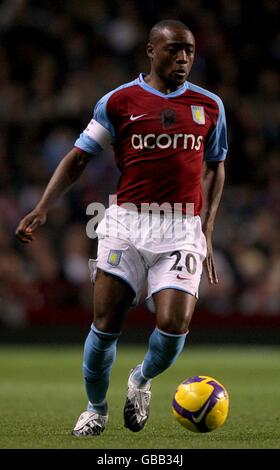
175 321
106 321
174 326
103 324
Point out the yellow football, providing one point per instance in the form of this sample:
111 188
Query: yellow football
201 404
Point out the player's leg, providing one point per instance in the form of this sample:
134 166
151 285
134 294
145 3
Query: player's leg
174 310
173 283
118 279
112 299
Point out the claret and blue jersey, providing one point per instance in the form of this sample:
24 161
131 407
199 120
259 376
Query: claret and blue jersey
159 140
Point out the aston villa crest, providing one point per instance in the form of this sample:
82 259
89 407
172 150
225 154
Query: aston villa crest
198 114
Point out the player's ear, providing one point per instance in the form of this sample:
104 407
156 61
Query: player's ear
150 50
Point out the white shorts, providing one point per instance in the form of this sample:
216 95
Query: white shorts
157 253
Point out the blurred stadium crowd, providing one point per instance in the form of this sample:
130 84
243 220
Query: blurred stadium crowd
56 59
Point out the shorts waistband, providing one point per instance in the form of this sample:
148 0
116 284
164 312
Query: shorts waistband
169 211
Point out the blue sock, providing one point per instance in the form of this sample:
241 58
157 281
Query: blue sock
164 348
99 356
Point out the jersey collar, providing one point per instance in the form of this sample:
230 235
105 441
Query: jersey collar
150 89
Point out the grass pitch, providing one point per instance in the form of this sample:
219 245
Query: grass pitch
42 395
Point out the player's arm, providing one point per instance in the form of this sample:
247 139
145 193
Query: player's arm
97 136
213 183
68 171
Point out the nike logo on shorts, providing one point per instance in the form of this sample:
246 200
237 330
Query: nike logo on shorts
182 278
133 118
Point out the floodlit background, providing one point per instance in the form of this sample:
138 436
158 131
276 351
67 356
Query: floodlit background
57 58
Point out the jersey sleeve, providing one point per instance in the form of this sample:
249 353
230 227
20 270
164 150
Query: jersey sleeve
216 146
99 133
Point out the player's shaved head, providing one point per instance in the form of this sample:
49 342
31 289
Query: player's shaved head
171 50
159 27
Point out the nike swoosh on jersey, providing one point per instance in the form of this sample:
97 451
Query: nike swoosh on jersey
201 415
133 118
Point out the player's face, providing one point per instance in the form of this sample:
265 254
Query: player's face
172 56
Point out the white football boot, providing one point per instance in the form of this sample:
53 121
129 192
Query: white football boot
137 405
90 424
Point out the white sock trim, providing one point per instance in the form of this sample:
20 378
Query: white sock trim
142 372
171 334
109 335
101 403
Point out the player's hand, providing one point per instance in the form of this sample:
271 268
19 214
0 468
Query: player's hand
29 224
209 263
